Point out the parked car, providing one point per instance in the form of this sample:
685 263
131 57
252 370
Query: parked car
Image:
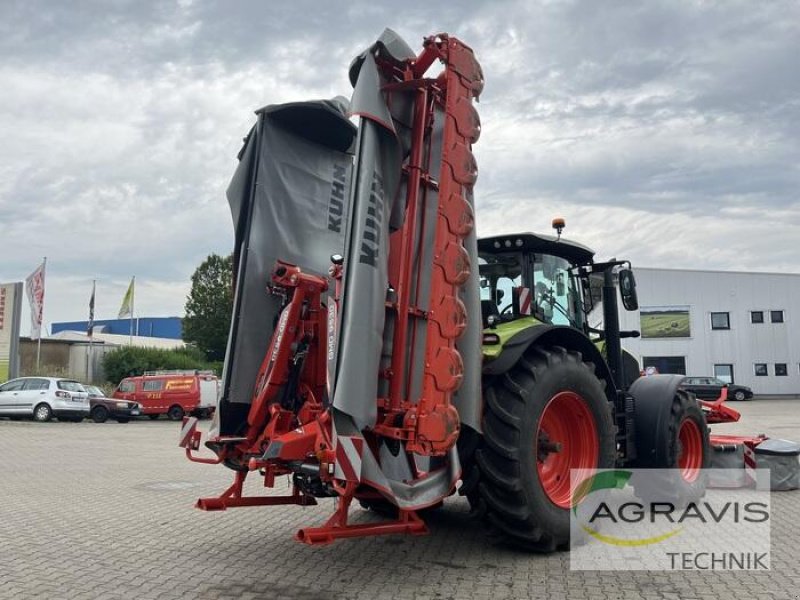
101 408
43 398
173 393
710 388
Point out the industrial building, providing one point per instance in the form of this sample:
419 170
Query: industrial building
740 327
157 327
73 354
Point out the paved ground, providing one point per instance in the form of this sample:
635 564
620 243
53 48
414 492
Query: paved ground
104 511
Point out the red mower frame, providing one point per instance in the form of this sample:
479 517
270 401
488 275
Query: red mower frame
289 425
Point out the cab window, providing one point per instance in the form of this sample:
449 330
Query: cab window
556 291
127 387
500 275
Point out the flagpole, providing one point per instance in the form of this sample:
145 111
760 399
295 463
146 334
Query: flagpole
39 340
89 366
133 301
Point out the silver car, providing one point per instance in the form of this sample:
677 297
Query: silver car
44 398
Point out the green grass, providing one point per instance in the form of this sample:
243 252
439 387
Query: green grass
665 324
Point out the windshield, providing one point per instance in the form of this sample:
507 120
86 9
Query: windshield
515 284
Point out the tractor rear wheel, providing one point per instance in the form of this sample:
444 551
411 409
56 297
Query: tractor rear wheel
546 416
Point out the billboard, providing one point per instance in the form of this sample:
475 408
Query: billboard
10 313
664 322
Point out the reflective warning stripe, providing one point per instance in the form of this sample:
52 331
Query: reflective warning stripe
750 462
524 300
187 429
348 458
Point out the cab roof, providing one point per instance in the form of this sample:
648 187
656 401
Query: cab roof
538 243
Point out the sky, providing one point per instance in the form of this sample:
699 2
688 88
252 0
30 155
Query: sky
666 132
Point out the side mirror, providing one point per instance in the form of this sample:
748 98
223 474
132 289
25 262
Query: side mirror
627 289
498 294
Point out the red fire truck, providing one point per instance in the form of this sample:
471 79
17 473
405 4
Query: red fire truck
172 393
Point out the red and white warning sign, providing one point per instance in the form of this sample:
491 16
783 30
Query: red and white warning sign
348 457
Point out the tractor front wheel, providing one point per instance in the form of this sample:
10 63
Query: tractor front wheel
545 417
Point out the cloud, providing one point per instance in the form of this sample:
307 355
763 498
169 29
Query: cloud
666 132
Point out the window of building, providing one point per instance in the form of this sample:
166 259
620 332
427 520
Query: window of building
781 370
724 372
720 320
776 316
666 364
761 369
153 386
756 316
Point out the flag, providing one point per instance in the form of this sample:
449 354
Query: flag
34 287
126 310
91 310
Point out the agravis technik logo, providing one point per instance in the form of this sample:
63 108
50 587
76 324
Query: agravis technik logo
651 519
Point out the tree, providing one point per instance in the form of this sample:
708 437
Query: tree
209 306
128 361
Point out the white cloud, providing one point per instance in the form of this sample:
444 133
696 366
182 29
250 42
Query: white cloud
666 132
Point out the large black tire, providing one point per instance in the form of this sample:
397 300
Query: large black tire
739 395
669 454
42 413
99 414
503 482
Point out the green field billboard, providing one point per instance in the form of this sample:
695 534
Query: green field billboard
665 322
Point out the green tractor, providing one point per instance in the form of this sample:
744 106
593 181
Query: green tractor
559 394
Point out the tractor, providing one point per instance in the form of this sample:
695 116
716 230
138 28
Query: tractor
379 352
559 394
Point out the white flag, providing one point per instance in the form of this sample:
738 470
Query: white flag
34 287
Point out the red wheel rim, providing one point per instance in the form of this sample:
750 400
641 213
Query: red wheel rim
690 450
566 439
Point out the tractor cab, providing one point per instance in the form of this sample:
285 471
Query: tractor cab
532 275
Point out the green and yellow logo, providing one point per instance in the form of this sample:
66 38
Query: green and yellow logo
609 480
